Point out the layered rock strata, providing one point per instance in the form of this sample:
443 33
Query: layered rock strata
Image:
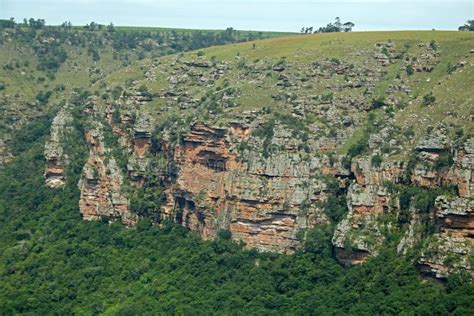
101 184
53 150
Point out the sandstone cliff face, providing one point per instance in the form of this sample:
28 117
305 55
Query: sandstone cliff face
463 170
360 235
429 150
269 202
258 200
264 175
452 247
368 175
101 184
53 151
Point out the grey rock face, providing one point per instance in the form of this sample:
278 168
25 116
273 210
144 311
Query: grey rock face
436 140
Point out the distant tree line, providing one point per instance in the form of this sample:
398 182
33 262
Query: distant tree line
50 42
32 23
337 26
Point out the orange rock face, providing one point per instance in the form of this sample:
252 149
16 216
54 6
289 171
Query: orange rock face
54 174
141 146
366 174
456 217
101 185
463 170
215 190
454 244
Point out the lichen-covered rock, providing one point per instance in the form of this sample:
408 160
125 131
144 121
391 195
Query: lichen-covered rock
53 149
463 169
137 168
359 234
5 155
101 183
367 174
456 215
413 234
434 141
451 248
142 135
445 255
263 201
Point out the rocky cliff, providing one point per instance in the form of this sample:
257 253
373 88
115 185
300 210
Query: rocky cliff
272 147
258 200
53 151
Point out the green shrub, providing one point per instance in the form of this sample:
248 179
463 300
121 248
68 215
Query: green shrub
318 240
376 161
224 234
444 160
335 206
358 148
43 97
429 99
378 103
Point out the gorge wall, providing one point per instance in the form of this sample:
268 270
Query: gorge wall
337 158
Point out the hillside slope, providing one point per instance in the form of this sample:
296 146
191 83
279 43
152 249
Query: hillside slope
42 66
270 139
371 133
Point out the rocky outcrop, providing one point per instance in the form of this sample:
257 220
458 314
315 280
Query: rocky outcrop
463 169
263 202
142 136
451 248
429 149
413 234
101 183
366 173
5 155
359 234
53 150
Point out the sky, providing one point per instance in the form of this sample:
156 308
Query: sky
264 15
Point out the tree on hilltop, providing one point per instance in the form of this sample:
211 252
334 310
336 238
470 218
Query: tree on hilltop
347 27
468 26
337 26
